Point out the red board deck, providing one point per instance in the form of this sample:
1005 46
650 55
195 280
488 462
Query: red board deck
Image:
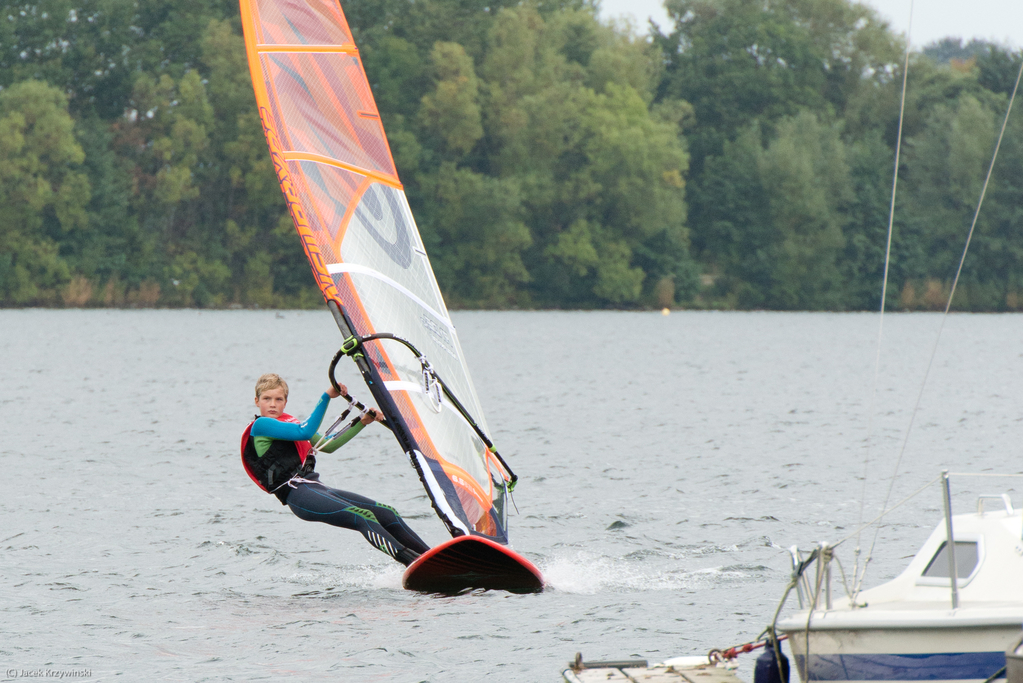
469 562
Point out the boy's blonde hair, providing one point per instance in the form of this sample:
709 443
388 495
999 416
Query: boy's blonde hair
270 381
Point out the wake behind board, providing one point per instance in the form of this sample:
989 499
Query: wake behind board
467 562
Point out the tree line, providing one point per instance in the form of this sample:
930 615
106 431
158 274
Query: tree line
741 157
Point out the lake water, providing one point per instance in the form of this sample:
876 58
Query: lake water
665 464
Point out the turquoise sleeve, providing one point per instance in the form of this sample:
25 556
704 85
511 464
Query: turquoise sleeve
289 431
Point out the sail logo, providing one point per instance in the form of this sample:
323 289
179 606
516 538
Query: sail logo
378 210
438 334
298 214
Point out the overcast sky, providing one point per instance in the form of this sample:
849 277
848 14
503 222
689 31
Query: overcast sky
997 20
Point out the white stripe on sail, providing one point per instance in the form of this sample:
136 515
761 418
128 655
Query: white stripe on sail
438 494
399 385
334 268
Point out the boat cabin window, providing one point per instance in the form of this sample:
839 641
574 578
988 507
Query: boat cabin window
966 561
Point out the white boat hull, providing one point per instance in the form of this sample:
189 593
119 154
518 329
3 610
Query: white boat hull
953 654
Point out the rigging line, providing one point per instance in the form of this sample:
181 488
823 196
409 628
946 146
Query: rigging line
884 291
823 555
887 512
823 558
805 564
951 295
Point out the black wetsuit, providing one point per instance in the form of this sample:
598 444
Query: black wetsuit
380 524
286 441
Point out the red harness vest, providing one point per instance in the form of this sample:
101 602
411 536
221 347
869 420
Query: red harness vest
282 461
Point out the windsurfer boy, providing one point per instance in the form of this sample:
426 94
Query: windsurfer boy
276 453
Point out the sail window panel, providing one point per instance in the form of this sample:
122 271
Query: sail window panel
488 522
967 559
328 191
376 306
440 435
455 455
442 491
477 511
381 235
392 311
474 511
302 22
327 108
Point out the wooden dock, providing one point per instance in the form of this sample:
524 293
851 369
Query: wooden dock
637 671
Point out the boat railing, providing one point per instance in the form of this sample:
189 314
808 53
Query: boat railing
1004 497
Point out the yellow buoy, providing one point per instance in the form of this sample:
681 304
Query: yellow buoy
665 311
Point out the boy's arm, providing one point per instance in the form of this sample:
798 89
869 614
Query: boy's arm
372 415
339 440
289 431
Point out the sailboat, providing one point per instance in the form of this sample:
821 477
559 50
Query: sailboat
949 616
334 165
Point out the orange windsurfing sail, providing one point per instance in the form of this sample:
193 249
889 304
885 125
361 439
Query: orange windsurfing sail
334 165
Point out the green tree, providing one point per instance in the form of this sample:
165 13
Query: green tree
806 176
998 68
43 192
775 232
451 111
732 206
84 48
736 60
946 166
477 236
946 163
601 176
866 230
113 250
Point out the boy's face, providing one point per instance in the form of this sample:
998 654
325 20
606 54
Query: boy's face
271 402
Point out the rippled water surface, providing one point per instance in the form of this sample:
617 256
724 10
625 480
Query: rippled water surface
665 463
